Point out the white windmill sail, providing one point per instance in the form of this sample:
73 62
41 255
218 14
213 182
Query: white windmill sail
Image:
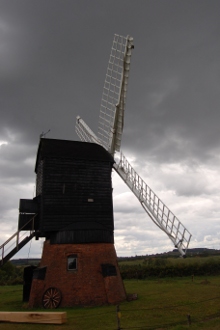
159 213
110 131
111 119
84 132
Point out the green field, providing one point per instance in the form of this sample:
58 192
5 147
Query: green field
161 304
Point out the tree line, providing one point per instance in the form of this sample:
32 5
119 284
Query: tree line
162 267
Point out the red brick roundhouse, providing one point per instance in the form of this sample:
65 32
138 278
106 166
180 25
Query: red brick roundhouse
73 210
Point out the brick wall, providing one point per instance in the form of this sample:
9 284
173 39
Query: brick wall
84 286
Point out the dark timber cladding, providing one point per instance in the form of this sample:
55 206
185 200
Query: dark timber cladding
75 190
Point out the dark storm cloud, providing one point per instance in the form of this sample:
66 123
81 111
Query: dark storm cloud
53 59
180 81
46 63
16 163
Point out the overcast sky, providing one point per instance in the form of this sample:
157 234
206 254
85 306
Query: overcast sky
53 60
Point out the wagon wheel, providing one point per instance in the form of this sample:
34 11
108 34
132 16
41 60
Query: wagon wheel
51 298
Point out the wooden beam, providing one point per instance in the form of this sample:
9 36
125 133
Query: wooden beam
34 317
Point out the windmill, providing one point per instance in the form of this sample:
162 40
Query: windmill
73 208
109 136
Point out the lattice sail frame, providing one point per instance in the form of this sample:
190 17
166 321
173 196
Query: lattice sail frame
111 118
159 213
110 130
84 132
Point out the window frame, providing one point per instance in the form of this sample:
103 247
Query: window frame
74 257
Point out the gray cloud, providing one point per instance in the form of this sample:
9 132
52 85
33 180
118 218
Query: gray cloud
53 59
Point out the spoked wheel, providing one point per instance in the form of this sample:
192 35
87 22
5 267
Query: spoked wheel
51 298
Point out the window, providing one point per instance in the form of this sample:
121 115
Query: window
72 262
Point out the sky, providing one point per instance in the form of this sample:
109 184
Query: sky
53 61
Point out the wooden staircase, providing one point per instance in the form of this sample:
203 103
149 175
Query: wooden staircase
16 242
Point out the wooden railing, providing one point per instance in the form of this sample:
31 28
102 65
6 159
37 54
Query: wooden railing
17 241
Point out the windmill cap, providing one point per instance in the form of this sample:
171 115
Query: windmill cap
53 148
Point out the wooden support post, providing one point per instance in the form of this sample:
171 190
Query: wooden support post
118 317
189 319
34 317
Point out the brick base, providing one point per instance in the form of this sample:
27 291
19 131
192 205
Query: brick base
85 286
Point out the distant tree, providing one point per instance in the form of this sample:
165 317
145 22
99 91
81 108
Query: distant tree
9 274
8 268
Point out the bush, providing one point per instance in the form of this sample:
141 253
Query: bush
161 267
11 275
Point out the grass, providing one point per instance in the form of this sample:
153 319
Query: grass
161 304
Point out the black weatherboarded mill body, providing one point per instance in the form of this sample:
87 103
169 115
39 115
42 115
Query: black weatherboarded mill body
73 193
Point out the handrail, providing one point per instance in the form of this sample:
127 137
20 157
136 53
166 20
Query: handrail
17 237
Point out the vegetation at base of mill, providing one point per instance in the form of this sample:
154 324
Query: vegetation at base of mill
170 267
11 275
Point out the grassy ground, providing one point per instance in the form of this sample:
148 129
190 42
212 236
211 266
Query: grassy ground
161 304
